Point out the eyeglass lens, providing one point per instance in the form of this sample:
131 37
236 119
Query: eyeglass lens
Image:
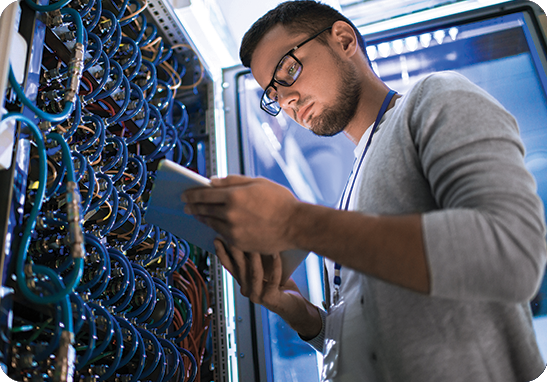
286 74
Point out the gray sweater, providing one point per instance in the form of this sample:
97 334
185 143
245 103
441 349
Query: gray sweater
450 151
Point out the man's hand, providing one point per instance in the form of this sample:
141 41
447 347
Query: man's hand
262 285
250 213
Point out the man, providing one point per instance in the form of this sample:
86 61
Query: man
438 244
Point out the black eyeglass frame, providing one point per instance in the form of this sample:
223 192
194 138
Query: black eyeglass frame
263 103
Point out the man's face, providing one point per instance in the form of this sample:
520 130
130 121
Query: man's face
325 96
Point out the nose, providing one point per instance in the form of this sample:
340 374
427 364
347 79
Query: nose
287 96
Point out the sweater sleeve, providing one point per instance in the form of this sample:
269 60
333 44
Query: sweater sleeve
317 341
487 239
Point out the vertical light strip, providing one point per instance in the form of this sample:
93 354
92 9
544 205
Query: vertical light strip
199 27
229 311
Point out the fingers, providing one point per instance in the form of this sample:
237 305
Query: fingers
256 276
204 195
233 260
277 270
216 211
215 194
225 259
231 180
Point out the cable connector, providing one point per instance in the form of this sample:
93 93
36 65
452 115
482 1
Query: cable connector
29 275
54 19
66 358
76 236
75 70
49 76
45 126
67 36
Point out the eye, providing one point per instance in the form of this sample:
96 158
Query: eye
293 69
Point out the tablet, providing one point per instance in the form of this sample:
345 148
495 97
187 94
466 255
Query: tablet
166 210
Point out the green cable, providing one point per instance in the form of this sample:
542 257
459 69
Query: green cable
99 357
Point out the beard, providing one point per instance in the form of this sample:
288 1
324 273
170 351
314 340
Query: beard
335 118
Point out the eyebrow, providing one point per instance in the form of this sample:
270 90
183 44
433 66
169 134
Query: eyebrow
313 36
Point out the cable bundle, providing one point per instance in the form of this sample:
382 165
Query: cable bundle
99 293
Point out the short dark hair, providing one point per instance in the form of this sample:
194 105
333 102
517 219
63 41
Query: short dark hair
298 16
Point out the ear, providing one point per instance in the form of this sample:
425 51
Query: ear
344 35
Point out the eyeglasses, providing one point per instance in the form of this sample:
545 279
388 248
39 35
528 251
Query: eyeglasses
286 73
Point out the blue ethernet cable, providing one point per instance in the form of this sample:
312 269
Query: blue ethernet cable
97 45
99 137
167 317
143 24
148 39
126 99
157 359
119 144
182 123
120 159
128 210
98 310
182 303
141 169
168 144
159 142
138 218
82 166
152 83
87 8
96 16
103 266
109 15
90 98
162 252
75 117
190 152
95 206
131 19
171 369
117 70
82 360
113 215
140 357
78 314
114 45
135 89
118 352
136 339
135 59
128 278
90 189
121 9
150 300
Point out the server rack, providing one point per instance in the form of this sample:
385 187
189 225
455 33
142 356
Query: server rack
107 89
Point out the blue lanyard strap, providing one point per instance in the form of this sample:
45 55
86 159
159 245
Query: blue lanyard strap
385 104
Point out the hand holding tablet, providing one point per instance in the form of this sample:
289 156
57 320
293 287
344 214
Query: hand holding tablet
166 210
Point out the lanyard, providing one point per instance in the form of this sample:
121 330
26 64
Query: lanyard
337 266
